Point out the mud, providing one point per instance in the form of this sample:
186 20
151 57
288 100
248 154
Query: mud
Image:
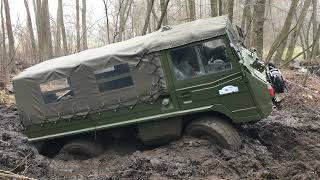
286 145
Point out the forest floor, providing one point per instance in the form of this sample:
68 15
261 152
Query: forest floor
286 145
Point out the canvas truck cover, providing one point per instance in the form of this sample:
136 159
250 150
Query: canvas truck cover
105 78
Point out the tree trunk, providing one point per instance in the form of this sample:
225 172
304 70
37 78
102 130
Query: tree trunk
163 7
225 6
31 34
147 20
84 25
126 18
285 28
293 40
163 15
5 61
258 13
192 10
186 8
37 12
246 8
57 47
214 8
304 49
124 11
313 52
200 9
46 30
230 9
10 37
78 25
314 23
116 33
63 32
156 18
246 22
107 17
220 7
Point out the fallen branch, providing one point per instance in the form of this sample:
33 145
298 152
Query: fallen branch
21 162
8 174
130 170
3 142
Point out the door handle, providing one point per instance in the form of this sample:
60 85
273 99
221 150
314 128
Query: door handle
185 95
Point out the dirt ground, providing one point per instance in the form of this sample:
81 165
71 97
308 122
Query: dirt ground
286 145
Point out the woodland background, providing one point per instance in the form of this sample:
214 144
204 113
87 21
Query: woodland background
280 30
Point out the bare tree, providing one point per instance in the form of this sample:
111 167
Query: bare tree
192 10
281 39
46 31
10 36
186 8
63 30
163 15
146 23
220 8
107 17
246 22
164 9
116 33
4 63
155 17
60 32
84 25
57 47
31 34
313 52
257 41
37 12
230 9
124 12
78 25
214 8
295 34
314 22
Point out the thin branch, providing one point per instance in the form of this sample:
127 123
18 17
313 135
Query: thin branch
163 15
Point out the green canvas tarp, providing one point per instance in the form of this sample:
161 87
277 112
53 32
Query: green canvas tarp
123 73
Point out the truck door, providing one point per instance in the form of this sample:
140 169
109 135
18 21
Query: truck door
206 74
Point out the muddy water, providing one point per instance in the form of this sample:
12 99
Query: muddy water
286 145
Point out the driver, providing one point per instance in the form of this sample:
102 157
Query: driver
184 67
216 58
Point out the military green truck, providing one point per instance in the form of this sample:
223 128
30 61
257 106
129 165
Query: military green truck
194 77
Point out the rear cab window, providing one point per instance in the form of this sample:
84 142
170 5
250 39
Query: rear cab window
56 90
114 78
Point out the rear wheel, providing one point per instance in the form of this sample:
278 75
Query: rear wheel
81 149
217 130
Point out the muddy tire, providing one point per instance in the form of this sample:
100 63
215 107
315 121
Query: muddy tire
81 149
217 130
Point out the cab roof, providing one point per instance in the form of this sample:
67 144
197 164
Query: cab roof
165 38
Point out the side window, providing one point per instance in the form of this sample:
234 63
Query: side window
186 63
214 56
206 58
56 90
113 78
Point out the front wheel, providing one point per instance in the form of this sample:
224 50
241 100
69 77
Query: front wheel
217 130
